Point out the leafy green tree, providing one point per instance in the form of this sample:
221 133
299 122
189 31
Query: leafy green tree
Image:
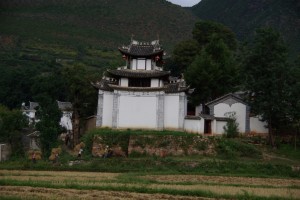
11 124
204 31
213 73
266 75
184 53
82 96
49 118
49 85
294 99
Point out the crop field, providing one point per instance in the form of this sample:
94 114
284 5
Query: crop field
18 184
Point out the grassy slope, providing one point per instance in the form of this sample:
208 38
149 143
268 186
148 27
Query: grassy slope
244 17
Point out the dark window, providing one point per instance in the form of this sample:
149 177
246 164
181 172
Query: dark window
139 82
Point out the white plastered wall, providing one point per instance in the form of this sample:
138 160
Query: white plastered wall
66 120
220 127
154 82
124 82
148 64
258 126
171 111
137 111
240 110
194 125
133 64
107 109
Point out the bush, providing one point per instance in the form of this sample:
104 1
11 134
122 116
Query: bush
231 129
231 148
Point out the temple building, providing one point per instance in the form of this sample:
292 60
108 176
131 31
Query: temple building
141 94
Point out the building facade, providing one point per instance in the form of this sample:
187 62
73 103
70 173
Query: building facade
141 94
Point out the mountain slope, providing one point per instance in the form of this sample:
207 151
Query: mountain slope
245 16
105 23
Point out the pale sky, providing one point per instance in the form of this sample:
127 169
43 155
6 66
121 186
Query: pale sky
185 3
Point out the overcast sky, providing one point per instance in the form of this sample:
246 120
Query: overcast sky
185 3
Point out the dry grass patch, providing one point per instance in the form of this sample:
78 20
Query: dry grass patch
58 175
225 180
181 184
66 194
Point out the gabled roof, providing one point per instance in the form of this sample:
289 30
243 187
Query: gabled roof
34 134
64 106
225 98
33 105
138 73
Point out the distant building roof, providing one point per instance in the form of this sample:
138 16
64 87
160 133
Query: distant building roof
64 106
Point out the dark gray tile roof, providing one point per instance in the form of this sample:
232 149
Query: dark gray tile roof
206 116
103 85
175 88
225 97
137 89
142 48
64 105
138 73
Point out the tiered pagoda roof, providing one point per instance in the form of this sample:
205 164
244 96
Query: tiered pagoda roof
109 85
142 49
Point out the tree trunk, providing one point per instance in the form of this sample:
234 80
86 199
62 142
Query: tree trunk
76 127
296 133
271 136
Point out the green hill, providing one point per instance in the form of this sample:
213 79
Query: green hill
37 37
100 23
86 31
245 16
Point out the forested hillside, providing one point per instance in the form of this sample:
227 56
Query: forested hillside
99 23
245 16
40 38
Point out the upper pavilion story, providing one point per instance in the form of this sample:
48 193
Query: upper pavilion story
142 55
142 71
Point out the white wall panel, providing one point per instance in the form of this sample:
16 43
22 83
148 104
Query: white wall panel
107 109
171 111
137 112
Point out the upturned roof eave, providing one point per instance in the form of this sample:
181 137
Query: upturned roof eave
139 74
141 55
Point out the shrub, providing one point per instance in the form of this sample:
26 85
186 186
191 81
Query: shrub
231 148
231 129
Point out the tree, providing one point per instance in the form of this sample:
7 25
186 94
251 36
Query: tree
11 124
294 99
49 118
213 73
266 75
204 31
81 94
184 53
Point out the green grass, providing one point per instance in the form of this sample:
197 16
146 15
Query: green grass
141 189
